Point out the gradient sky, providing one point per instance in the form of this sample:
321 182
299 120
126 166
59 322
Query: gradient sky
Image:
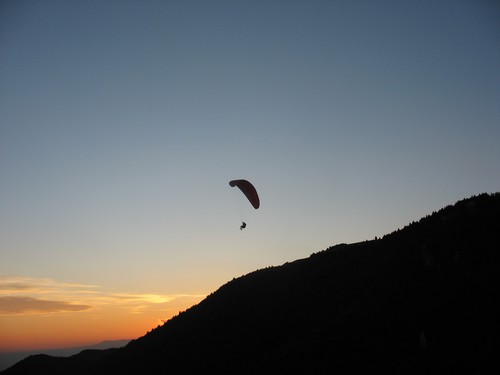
121 123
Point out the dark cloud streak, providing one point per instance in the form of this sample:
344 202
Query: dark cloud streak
13 305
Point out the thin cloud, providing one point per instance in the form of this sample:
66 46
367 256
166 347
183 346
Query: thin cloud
25 295
152 298
13 286
28 306
27 285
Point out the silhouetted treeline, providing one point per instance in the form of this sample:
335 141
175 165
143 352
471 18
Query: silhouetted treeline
421 300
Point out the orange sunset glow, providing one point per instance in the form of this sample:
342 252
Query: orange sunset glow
43 313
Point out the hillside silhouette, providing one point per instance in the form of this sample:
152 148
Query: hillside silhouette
424 299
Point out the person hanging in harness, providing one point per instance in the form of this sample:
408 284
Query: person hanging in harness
243 225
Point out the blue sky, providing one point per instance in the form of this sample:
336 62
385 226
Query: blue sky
121 123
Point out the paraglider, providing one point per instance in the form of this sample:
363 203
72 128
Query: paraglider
250 192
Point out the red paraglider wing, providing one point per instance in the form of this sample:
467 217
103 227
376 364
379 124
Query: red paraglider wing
249 190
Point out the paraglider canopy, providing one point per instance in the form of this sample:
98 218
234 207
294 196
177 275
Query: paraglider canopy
249 190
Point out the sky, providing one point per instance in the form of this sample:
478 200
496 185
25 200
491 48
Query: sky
122 122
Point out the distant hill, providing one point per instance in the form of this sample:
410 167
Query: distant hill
422 300
7 359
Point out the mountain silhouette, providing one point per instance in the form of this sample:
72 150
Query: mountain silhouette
424 299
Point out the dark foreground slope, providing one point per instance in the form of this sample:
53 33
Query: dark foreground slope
422 300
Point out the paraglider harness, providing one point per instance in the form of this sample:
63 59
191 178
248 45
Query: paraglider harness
243 225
